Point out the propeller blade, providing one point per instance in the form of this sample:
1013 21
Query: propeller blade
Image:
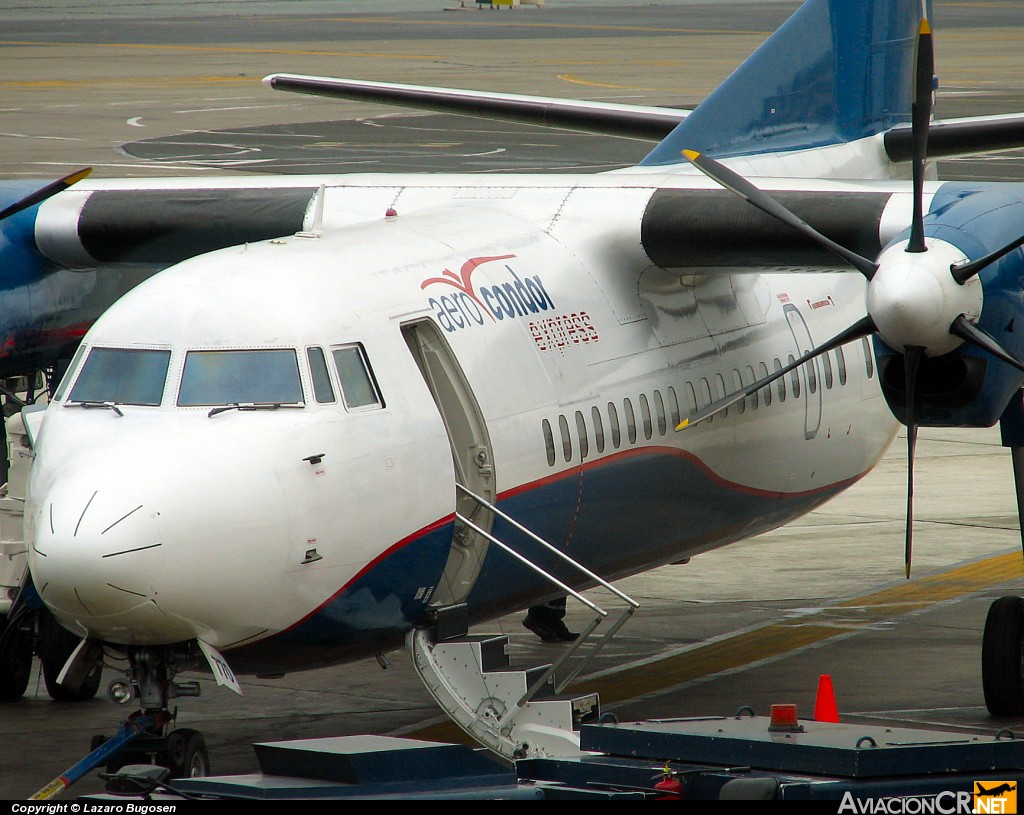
978 337
861 328
912 355
920 117
740 186
43 193
965 271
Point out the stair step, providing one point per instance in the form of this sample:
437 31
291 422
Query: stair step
493 649
565 713
451 622
547 691
586 709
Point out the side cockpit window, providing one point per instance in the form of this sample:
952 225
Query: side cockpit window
121 376
358 386
323 390
69 374
261 377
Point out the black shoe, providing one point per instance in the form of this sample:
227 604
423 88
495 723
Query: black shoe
564 634
550 632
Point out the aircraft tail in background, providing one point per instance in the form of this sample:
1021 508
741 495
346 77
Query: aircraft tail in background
835 72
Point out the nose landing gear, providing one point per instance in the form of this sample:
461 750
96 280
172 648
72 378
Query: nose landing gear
150 681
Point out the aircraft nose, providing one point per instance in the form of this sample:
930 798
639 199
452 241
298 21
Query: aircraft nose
97 554
133 543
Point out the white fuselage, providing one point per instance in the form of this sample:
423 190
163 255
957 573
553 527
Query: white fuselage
303 530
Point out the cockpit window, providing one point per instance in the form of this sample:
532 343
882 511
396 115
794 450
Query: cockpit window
263 377
69 372
124 376
357 384
323 390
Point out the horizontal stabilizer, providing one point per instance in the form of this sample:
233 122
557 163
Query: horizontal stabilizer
629 121
960 137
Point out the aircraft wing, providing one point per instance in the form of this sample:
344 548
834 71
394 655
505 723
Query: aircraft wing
946 138
629 121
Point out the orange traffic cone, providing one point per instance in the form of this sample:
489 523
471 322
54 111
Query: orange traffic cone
825 705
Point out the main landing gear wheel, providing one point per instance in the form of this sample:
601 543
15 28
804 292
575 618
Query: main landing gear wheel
15 658
56 644
1002 657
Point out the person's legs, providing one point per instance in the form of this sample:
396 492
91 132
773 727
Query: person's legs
548 621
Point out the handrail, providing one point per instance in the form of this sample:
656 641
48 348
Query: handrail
527 562
589 657
597 578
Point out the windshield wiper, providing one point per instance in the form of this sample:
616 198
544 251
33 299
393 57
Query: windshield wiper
250 406
86 403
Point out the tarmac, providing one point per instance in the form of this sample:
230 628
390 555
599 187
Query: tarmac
755 623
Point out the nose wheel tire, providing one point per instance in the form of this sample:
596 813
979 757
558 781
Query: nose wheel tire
1002 657
186 755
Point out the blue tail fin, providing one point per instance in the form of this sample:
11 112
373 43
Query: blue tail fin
836 71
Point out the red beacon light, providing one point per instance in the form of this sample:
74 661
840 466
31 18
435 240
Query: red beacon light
784 720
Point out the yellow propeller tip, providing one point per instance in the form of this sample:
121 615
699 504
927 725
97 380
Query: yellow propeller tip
925 26
683 424
691 155
74 178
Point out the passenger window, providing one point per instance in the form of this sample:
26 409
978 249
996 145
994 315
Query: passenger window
794 378
563 429
613 424
645 415
741 405
753 379
265 377
780 383
595 414
869 359
581 432
358 388
841 364
826 363
323 390
630 421
812 376
124 376
705 388
766 391
720 380
549 442
673 406
691 398
659 413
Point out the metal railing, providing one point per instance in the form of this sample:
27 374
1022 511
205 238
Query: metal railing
631 604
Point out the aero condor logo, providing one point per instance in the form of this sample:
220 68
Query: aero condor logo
467 306
995 797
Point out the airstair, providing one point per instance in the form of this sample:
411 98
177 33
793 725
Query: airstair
514 713
13 551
